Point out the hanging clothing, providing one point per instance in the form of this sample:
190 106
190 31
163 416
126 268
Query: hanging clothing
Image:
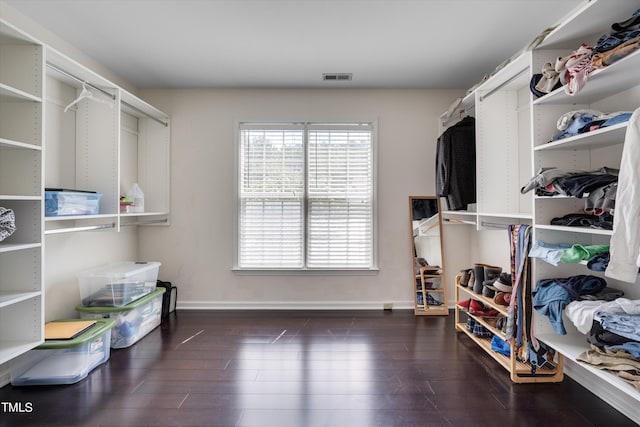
519 325
625 240
456 164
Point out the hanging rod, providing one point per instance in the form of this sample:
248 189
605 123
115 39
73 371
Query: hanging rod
162 122
110 95
73 229
155 221
504 83
78 79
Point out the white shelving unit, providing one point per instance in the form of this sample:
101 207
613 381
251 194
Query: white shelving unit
614 88
21 142
514 140
44 146
114 143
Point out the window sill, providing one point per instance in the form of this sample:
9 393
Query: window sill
306 271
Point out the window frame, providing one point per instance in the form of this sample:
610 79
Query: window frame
373 269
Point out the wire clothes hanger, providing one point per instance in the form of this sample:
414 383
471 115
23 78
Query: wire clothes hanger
86 94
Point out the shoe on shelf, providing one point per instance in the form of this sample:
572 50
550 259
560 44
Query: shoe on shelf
432 301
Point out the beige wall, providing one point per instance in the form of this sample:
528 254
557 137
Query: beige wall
196 251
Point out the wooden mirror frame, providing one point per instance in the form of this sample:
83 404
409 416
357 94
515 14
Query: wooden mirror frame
429 287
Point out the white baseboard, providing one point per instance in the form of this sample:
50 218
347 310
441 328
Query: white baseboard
623 402
292 305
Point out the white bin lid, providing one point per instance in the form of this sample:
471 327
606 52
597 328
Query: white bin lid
121 270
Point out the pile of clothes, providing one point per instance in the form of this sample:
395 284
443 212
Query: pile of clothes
613 332
610 322
7 223
598 187
577 122
572 71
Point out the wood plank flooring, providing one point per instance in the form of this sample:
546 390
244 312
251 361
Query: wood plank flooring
305 369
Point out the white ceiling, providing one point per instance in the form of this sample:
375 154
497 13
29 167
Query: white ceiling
434 44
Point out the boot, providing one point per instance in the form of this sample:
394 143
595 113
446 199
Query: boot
478 273
491 273
472 279
464 277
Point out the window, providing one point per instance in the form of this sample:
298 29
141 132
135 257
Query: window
306 196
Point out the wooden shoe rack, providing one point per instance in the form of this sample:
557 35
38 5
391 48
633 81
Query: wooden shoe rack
520 372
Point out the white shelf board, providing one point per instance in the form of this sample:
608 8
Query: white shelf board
11 94
574 229
587 19
7 143
514 215
14 197
77 217
137 214
11 247
573 345
512 76
12 349
604 137
9 298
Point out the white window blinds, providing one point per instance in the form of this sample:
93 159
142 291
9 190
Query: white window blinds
306 196
271 198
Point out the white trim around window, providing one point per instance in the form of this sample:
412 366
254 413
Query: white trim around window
306 197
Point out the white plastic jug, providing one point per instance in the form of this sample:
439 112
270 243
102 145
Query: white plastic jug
136 195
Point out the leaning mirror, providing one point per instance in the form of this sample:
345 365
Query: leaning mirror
429 291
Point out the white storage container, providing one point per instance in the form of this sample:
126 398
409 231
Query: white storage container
133 321
118 284
64 361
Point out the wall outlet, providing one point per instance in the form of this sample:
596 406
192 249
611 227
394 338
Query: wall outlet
387 306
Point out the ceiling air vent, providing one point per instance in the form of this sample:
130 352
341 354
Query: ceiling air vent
335 77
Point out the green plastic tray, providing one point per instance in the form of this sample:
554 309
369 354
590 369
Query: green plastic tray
137 303
101 326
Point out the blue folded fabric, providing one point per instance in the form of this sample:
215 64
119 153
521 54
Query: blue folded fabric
499 345
620 118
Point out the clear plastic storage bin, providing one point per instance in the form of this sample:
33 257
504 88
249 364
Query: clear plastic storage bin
64 361
68 203
133 321
118 284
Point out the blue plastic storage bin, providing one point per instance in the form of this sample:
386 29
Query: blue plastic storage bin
68 203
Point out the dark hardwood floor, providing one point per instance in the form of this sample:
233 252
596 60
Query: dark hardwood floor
303 369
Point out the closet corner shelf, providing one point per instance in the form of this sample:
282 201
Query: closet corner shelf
612 135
